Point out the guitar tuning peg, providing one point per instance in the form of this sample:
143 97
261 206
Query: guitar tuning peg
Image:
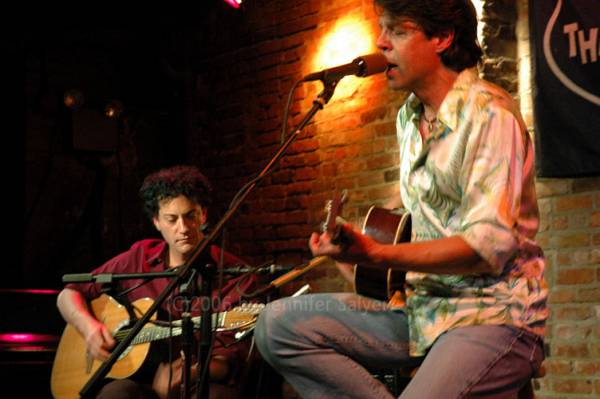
344 196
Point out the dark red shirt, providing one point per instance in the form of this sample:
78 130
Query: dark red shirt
149 256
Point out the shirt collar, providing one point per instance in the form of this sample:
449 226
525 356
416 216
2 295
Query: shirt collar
156 252
452 106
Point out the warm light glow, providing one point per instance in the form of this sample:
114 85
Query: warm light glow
478 4
113 109
348 39
73 99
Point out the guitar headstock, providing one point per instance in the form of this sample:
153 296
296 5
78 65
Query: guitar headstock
333 209
241 317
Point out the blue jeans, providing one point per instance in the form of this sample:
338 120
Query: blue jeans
327 345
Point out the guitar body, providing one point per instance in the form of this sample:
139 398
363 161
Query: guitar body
73 367
387 227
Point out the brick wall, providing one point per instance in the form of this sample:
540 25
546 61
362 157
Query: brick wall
570 236
352 145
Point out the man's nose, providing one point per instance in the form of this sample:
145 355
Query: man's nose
382 41
183 225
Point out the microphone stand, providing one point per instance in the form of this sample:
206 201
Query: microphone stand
93 384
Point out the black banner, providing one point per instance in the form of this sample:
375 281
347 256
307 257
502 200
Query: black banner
565 47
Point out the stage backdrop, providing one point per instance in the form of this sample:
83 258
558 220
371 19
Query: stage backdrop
565 47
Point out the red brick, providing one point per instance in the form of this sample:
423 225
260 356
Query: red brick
587 367
562 295
579 220
576 276
582 256
305 174
556 366
380 145
573 331
576 312
543 239
282 177
382 193
595 256
299 25
545 207
570 350
571 240
373 114
382 161
595 350
344 183
552 187
560 223
586 184
351 167
572 386
304 145
370 178
588 295
384 129
564 258
595 219
573 202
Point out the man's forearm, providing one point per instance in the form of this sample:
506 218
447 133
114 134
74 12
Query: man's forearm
451 255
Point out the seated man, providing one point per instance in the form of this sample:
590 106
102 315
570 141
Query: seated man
476 296
176 200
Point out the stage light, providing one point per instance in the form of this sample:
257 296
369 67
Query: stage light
234 3
349 38
113 109
73 99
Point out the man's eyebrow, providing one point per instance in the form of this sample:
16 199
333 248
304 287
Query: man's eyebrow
397 22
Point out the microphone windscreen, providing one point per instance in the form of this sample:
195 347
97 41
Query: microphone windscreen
373 63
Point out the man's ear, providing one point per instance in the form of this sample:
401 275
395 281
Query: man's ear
203 215
444 40
155 221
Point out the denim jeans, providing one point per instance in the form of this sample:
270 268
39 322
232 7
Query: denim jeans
328 345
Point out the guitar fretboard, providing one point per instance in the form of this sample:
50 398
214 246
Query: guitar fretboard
236 318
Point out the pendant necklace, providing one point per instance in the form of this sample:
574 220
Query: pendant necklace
429 122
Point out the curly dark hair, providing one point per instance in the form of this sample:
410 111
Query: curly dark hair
436 17
173 182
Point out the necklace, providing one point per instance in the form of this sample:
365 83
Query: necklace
429 122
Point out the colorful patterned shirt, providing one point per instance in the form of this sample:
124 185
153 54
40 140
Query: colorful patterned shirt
472 177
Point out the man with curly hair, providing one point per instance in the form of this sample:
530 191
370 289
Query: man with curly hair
176 201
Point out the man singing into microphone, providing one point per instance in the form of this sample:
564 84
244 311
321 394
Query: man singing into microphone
476 298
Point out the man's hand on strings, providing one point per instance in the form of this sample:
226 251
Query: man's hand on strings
98 340
352 246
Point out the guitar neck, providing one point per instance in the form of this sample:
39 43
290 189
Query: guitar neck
156 333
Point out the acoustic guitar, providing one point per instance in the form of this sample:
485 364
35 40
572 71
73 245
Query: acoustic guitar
383 225
73 366
387 227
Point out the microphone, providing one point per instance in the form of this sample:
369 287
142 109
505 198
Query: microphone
272 269
365 65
